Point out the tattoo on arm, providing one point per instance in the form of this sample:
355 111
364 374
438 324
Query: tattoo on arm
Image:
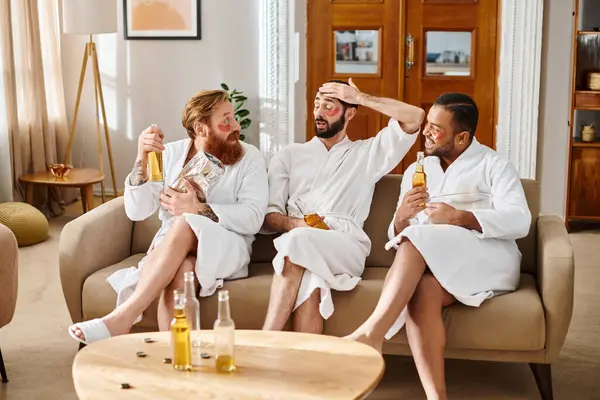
208 213
138 175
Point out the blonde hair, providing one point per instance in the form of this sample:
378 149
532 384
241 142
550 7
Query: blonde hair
200 108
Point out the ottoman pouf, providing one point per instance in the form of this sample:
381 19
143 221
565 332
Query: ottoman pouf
26 222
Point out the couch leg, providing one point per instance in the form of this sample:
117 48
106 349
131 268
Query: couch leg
543 378
2 369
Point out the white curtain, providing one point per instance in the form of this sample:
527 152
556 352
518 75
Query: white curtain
519 83
274 81
33 124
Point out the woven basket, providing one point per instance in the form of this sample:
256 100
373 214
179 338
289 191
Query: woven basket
594 80
26 222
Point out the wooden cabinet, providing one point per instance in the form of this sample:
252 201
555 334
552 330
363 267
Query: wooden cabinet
583 191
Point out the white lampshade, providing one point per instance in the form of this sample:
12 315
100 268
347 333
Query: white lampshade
89 16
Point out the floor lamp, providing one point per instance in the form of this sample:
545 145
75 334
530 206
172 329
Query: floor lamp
90 17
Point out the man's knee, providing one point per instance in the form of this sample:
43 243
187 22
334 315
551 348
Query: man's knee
290 268
181 226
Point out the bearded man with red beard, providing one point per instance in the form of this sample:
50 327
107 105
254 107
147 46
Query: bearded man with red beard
208 233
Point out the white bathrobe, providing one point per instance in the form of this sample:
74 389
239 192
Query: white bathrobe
240 201
338 185
472 266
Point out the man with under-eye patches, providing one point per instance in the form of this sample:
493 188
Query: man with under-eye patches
211 204
328 183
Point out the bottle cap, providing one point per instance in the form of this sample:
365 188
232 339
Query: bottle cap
188 275
223 295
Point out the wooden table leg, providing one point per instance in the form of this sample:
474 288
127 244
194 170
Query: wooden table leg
87 197
29 189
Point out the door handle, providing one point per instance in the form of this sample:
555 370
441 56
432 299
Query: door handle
410 54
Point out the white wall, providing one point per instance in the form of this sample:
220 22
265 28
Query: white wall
149 81
555 100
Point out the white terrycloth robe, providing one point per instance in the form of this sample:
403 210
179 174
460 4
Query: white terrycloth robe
472 266
337 184
240 201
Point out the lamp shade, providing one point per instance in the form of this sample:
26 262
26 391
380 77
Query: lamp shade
89 16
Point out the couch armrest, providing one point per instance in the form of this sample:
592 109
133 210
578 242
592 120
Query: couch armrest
93 241
9 254
555 278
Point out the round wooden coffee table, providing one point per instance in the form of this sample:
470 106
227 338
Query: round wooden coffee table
82 178
270 365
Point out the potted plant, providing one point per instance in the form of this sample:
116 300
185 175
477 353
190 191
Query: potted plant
237 98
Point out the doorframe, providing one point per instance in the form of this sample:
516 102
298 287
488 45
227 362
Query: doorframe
518 74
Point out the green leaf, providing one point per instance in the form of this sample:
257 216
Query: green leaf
235 91
245 123
242 113
238 106
224 86
240 98
242 137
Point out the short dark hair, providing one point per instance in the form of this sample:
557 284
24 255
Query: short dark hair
464 111
344 104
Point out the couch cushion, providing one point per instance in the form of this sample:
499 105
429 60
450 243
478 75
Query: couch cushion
99 298
383 207
514 321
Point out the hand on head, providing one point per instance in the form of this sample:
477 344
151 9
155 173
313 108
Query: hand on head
348 93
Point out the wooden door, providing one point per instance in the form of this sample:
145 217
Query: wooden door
358 39
451 46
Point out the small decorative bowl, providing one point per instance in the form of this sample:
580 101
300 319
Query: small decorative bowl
60 170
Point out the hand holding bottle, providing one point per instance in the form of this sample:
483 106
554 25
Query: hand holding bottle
412 203
150 140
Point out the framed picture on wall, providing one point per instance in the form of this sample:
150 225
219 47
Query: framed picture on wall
161 19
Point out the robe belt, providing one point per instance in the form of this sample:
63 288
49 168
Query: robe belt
339 216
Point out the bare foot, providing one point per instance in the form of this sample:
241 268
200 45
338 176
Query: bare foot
366 339
115 327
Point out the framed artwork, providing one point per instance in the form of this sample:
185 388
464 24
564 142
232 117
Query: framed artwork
161 19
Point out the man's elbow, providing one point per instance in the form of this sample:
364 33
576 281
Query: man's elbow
420 117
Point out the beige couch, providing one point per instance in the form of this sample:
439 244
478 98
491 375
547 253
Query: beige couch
528 325
9 253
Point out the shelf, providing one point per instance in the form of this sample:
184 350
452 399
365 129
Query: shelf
578 143
587 100
588 32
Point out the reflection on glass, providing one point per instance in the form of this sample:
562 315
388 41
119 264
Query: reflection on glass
448 53
356 51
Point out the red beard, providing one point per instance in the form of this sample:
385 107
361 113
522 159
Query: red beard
228 151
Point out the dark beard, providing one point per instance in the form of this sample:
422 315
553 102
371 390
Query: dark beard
442 151
332 129
228 151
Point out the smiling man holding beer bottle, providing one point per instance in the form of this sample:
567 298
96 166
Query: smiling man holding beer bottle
459 213
212 196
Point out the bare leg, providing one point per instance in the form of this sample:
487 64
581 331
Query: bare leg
160 267
307 317
166 302
427 335
400 283
284 291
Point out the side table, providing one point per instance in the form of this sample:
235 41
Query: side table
82 178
